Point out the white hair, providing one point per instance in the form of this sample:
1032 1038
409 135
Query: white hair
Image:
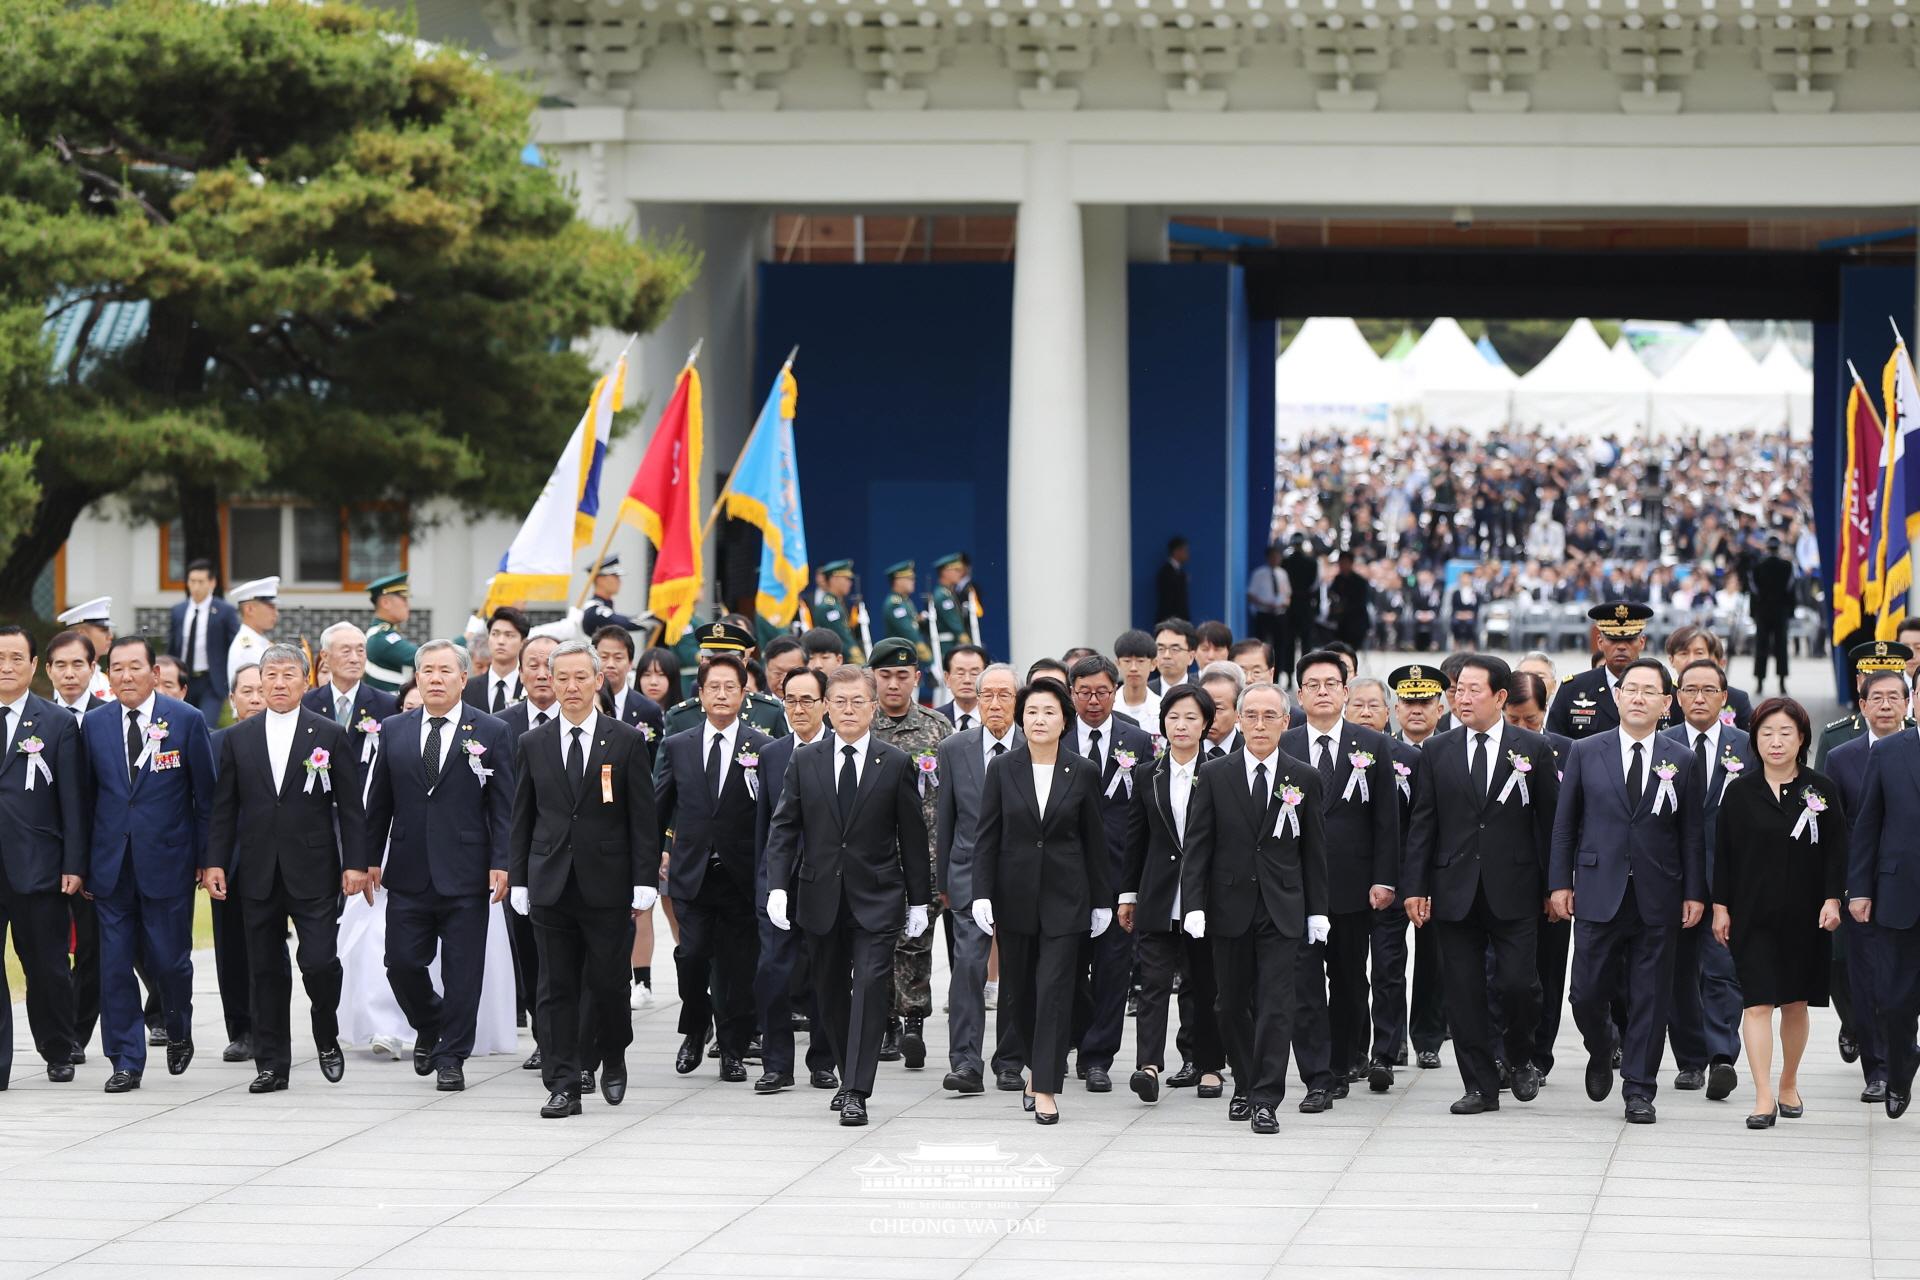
460 656
338 629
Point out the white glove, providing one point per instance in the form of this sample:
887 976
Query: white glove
1101 919
520 900
1318 927
1195 924
983 914
644 897
916 921
777 909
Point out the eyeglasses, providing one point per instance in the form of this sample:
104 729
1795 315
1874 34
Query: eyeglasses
1322 686
802 700
853 703
1165 649
1093 693
1262 717
1698 690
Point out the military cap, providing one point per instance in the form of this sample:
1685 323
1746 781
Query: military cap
952 557
98 612
1417 683
265 590
832 567
723 637
1619 620
1879 655
893 652
610 565
895 570
394 584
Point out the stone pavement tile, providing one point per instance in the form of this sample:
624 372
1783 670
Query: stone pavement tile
1791 1192
916 1260
302 1240
1487 1255
1810 1238
90 1269
580 1259
1752 1261
343 1249
230 1219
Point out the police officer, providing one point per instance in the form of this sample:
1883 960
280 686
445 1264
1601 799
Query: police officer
951 613
832 609
1584 705
600 611
898 618
259 611
760 710
389 654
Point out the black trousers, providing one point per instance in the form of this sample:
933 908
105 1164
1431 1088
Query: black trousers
1037 973
1348 943
1388 944
781 955
86 968
1100 997
586 955
1628 956
1769 637
1162 954
1855 989
1553 943
853 986
39 924
718 951
1897 973
230 967
316 930
417 923
1312 1020
1258 991
1469 948
526 966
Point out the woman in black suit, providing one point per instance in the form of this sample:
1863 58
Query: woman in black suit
1150 898
1780 861
1041 858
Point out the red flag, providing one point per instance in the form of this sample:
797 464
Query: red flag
663 502
1861 500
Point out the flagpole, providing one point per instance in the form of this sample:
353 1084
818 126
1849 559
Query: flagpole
719 499
613 525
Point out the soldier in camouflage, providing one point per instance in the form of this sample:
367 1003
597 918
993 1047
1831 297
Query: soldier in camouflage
901 722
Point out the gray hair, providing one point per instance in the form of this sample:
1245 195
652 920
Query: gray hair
849 674
1538 655
239 671
1386 694
1005 667
282 653
1265 686
570 647
339 628
436 646
1224 671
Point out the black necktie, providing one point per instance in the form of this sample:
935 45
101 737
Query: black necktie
966 721
6 739
999 748
576 761
1326 757
1636 779
1700 754
499 696
430 758
849 783
714 766
1477 773
193 634
539 718
1259 792
133 746
1093 751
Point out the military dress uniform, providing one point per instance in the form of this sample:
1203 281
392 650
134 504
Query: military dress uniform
1584 704
389 653
899 621
760 710
836 614
249 644
950 618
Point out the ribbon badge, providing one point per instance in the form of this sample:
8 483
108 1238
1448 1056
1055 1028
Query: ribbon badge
319 768
1402 775
1361 762
1518 778
1288 823
1123 763
474 753
1665 771
370 737
156 734
1816 804
926 768
36 763
1731 765
749 762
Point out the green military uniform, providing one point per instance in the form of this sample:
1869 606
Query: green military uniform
832 612
389 653
1841 731
918 733
899 621
951 620
760 710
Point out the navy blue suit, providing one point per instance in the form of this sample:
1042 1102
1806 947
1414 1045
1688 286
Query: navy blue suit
639 711
442 842
1885 866
43 836
781 954
1630 870
206 689
1705 1023
1100 996
149 841
369 703
1855 976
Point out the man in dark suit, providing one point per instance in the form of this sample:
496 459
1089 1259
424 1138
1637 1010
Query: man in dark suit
1705 1022
1362 817
585 856
289 827
1476 869
200 630
804 695
1254 880
1527 709
1123 753
347 699
849 827
151 777
499 687
1629 868
1770 593
706 789
1587 703
231 971
1170 582
440 803
534 711
1883 890
1303 576
43 853
1349 603
614 647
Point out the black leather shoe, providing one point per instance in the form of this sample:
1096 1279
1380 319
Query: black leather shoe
1614 1062
1849 1047
1008 1081
1359 1071
531 1064
238 1049
1098 1081
423 1057
1764 1120
1428 1059
967 1081
913 1044
1473 1102
854 1112
1793 1112
268 1082
1316 1101
1145 1085
772 1082
179 1054
1339 1090
1240 1108
839 1100
692 1050
1205 1090
1506 1073
1599 1079
1876 1091
1639 1111
450 1080
613 1086
890 1043
1721 1079
752 1053
156 1035
333 1064
1185 1078
1046 1117
713 1050
1264 1121
1379 1076
732 1070
560 1105
1526 1083
587 1084
1400 1059
79 1057
1026 1102
60 1072
123 1082
1896 1102
1690 1080
824 1080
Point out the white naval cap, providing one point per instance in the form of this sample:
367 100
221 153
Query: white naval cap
98 611
259 589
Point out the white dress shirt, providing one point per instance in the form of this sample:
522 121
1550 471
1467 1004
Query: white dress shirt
536 717
452 723
146 722
1493 747
1145 713
988 742
1269 589
818 734
860 747
512 681
587 727
1332 737
1272 762
1042 785
280 730
1712 733
965 718
1646 757
1083 740
198 615
15 709
347 695
727 736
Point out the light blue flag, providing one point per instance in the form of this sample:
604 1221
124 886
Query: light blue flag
765 492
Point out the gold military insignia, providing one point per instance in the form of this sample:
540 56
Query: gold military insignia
1620 611
1415 672
1879 648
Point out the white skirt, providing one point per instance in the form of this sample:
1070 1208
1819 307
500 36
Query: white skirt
367 1006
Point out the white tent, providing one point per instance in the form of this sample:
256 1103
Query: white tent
1328 377
1633 373
1582 389
1454 385
1786 374
1716 387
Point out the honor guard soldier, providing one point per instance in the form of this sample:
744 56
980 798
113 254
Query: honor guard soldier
600 611
898 619
94 620
951 615
389 654
832 611
1874 655
1585 705
259 608
760 710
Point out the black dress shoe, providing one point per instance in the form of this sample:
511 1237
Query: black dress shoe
156 1034
1473 1102
732 1070
613 1086
268 1082
1896 1102
239 1049
79 1057
1690 1080
1379 1076
1400 1059
1876 1091
179 1054
450 1080
1599 1079
1849 1047
1145 1085
890 1044
1359 1071
1639 1111
1046 1117
1316 1101
1008 1081
1205 1090
60 1072
824 1080
773 1082
1185 1078
1026 1102
333 1064
560 1105
1506 1073
1428 1059
692 1050
1241 1108
423 1057
752 1052
587 1084
855 1111
1098 1081
1340 1090
531 1064
966 1081
713 1050
123 1082
1721 1079
1264 1121
913 1045
1615 1060
1764 1120
1526 1083
839 1100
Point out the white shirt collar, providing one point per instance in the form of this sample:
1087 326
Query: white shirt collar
1713 739
145 709
987 741
15 710
1493 743
708 732
1313 740
335 692
1626 751
1190 768
818 734
551 711
1087 731
1272 762
281 719
591 723
860 745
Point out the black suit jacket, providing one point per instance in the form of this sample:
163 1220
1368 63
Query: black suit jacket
446 840
1044 873
637 710
43 832
603 834
479 691
1154 850
1459 842
261 824
699 827
519 721
1170 592
1363 836
776 759
223 624
1234 854
369 703
1116 801
876 860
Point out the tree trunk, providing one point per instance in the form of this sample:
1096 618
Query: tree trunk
52 522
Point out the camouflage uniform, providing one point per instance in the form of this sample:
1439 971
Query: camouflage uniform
919 730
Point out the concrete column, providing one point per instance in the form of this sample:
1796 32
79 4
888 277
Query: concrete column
1109 581
1049 487
1147 233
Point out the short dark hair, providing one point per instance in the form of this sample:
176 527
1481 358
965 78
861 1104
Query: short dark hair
1077 652
1346 651
1909 623
666 661
1094 664
946 659
611 632
1319 658
756 675
1791 710
1681 637
122 642
1527 686
1709 664
200 564
820 640
1250 645
810 674
518 620
1654 665
1050 687
1451 664
782 643
1175 543
168 660
1133 643
1499 674
1180 627
1048 664
62 639
33 645
1871 679
732 661
1182 692
1217 634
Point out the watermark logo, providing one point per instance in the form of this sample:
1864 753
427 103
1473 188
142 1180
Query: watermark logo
980 1189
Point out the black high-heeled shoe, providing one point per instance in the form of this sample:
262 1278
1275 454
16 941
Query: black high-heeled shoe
1048 1117
1764 1121
1792 1113
1205 1090
1026 1102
